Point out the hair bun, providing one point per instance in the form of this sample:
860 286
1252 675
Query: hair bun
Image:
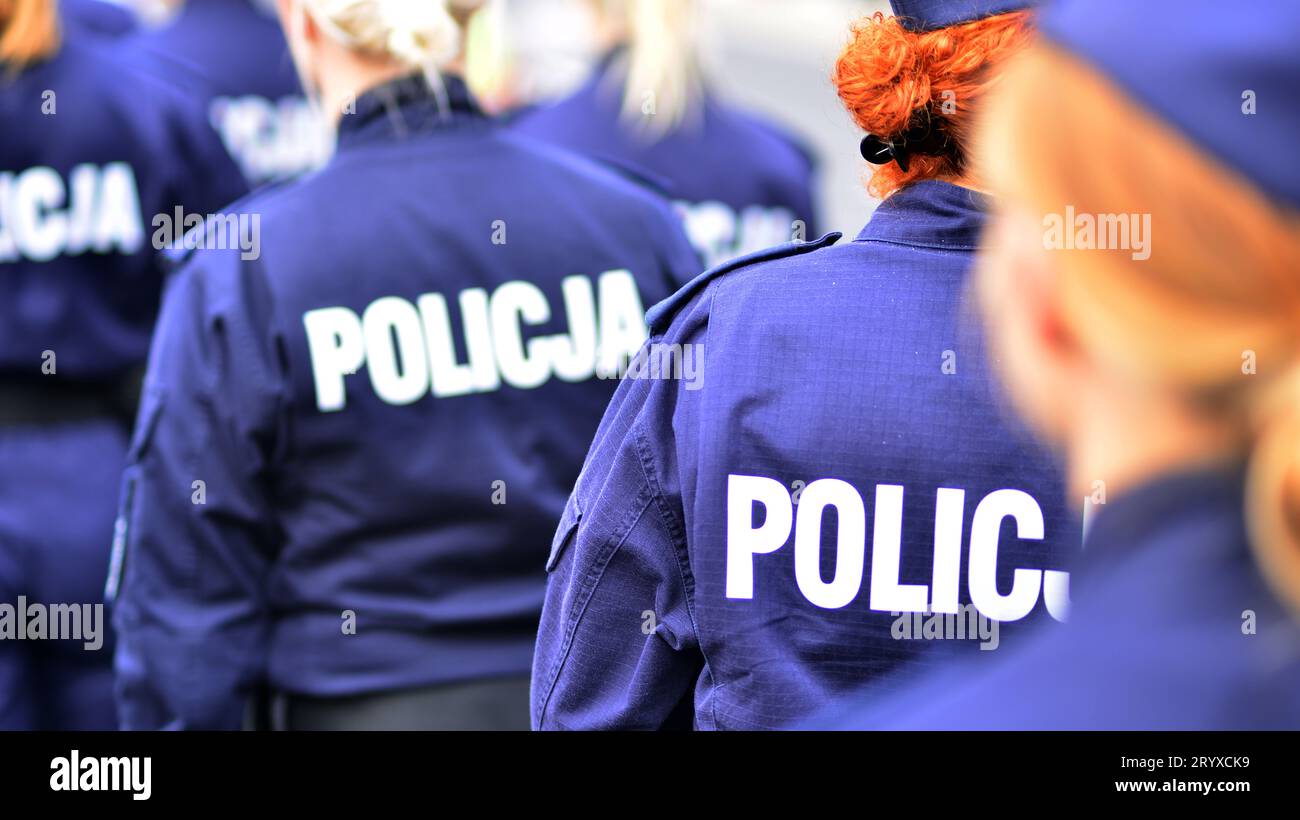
419 33
892 80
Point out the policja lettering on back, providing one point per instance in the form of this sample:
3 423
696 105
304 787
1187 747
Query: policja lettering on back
409 351
42 217
744 541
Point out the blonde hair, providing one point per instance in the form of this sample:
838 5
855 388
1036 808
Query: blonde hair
663 83
1219 289
488 60
29 32
420 34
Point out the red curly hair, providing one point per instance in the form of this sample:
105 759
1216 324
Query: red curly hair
29 32
886 74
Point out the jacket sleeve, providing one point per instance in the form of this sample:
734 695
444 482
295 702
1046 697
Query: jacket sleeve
618 645
196 535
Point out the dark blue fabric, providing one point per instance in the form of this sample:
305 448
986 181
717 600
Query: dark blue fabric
324 500
739 182
1192 62
83 185
242 70
1158 636
97 17
58 488
93 148
927 15
820 361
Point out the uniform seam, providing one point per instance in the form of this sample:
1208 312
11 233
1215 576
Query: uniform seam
708 666
677 527
915 244
676 532
586 591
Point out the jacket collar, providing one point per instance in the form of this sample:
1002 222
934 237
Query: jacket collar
929 214
1143 512
407 105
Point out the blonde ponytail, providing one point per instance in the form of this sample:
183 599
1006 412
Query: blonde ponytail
29 32
487 49
663 82
423 35
1273 485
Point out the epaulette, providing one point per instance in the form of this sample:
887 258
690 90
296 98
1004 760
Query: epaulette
659 316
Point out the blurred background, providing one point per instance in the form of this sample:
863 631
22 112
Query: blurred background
776 57
771 56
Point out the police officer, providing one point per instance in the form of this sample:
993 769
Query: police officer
1164 361
236 54
97 17
348 443
740 182
828 488
95 152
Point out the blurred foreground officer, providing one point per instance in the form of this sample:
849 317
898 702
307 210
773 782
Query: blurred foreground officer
768 527
255 101
741 184
97 17
1164 359
349 444
92 150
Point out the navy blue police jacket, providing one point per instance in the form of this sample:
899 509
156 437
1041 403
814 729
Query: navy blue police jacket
97 17
741 184
1172 628
235 56
348 445
757 528
95 151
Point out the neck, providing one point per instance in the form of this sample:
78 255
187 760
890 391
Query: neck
347 76
1126 442
341 82
965 181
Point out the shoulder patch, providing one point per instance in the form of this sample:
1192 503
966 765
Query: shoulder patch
659 316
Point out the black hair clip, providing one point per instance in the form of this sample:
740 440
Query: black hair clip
924 135
882 152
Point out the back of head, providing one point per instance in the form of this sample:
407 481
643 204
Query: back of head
662 81
1209 311
29 32
898 81
424 36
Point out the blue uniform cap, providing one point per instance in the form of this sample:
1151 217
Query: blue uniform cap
1226 76
928 15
